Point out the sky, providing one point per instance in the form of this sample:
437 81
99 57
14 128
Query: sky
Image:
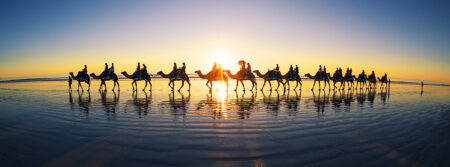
405 39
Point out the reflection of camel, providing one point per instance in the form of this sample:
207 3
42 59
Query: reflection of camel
211 77
348 97
84 104
295 78
216 106
361 96
319 77
272 103
292 101
245 105
182 78
336 100
240 78
268 78
80 79
103 78
144 77
110 105
179 103
336 78
141 104
320 103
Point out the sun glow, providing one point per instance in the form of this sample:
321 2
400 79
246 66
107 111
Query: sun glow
222 57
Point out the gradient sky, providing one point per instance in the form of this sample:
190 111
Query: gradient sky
406 39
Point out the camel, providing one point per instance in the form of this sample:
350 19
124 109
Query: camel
80 78
296 78
336 78
210 77
181 78
319 77
349 80
103 78
144 77
361 80
240 78
383 80
268 78
372 81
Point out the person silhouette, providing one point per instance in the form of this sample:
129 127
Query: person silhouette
249 69
144 69
183 69
70 82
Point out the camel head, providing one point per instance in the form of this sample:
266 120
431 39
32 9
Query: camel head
198 72
92 75
124 73
307 75
160 73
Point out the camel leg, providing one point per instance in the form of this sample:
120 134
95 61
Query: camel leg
289 84
319 86
253 84
114 86
296 85
270 84
145 85
237 84
149 82
189 83
79 84
314 84
104 83
263 85
242 82
329 87
226 82
182 84
208 85
118 86
278 86
170 82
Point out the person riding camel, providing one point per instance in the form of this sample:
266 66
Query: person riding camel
291 71
111 70
242 71
214 70
183 69
144 69
106 71
137 73
324 72
249 69
174 72
296 70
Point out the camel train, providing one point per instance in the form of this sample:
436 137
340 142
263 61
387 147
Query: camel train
245 73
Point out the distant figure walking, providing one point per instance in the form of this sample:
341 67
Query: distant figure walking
422 85
70 83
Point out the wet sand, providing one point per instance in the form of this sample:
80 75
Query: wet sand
44 124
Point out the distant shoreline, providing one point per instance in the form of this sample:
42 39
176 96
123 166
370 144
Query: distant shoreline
155 76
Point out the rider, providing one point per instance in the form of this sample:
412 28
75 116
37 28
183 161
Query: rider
214 69
243 69
174 70
106 71
291 71
183 69
249 69
144 69
85 72
111 70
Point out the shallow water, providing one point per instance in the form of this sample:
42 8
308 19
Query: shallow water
43 124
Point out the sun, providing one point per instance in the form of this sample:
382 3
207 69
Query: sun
222 57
